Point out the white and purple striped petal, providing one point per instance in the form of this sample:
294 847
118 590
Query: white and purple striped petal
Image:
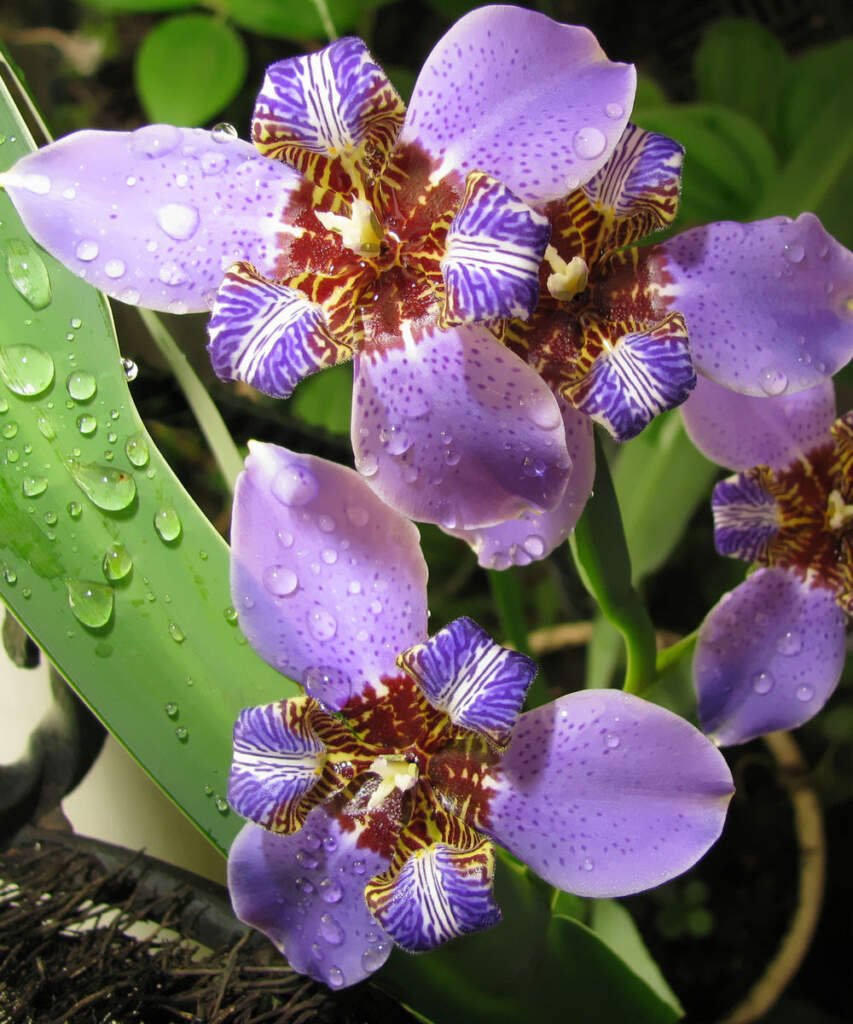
637 377
155 216
769 655
768 305
531 537
546 105
453 428
305 892
740 431
746 516
476 682
277 759
439 893
268 335
495 244
329 583
604 794
336 102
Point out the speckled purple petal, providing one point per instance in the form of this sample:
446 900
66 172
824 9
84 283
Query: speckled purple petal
740 431
769 655
746 516
604 794
478 683
455 429
768 305
522 541
305 892
546 104
495 244
155 216
268 335
329 583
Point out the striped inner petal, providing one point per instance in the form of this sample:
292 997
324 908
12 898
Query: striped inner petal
439 885
746 515
268 335
476 682
494 247
635 375
333 115
278 759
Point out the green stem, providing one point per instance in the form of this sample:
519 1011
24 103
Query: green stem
683 648
326 19
601 555
507 596
210 421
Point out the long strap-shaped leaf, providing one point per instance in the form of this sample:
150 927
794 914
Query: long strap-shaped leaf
86 496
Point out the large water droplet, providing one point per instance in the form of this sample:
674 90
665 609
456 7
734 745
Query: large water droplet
589 142
322 624
335 977
295 485
117 562
794 252
762 683
534 545
108 488
330 891
804 693
87 250
92 603
26 370
136 449
178 220
772 380
545 413
87 425
280 581
330 930
33 486
374 957
27 272
223 132
367 464
167 523
154 140
789 643
115 268
81 386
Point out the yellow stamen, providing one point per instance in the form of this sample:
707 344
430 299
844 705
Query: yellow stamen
839 514
360 231
394 773
569 279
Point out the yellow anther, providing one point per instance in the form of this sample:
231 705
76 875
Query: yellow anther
394 773
838 513
569 279
360 232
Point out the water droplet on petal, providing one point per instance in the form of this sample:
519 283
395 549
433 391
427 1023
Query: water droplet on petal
280 581
154 140
611 740
789 643
81 386
87 250
117 562
115 268
374 957
178 220
614 110
587 864
109 489
534 545
335 977
376 607
223 132
26 370
306 859
172 273
326 524
794 252
533 467
167 523
330 844
804 693
367 464
213 163
589 142
773 381
322 624
27 272
762 683
91 603
357 515
330 930
295 486
329 556
330 891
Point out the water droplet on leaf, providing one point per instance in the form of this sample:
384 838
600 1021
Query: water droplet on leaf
33 486
136 449
110 489
87 425
167 523
81 386
91 603
27 272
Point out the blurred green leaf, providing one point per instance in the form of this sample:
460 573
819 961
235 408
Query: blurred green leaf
605 653
613 924
743 66
81 487
134 6
673 689
816 77
729 163
325 399
298 19
660 479
649 93
189 68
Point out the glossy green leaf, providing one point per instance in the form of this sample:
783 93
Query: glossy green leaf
660 479
325 400
741 65
167 670
298 19
729 163
189 68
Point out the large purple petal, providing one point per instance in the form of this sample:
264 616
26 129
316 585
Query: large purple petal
769 655
740 431
522 541
605 794
478 683
329 583
154 216
305 892
454 429
547 104
767 304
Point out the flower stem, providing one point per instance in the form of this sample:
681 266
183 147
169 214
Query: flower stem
507 596
210 421
601 554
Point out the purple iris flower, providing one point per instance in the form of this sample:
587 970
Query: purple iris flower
355 228
373 799
770 653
